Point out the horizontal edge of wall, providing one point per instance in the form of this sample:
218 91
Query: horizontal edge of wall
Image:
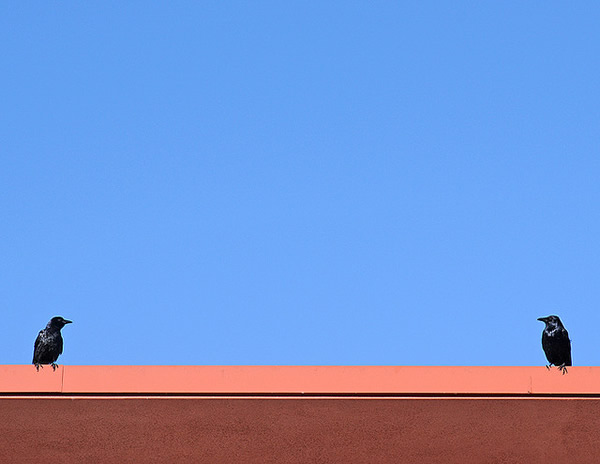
299 380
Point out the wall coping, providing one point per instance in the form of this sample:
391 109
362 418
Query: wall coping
300 380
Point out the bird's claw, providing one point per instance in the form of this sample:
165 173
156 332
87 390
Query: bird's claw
37 367
563 369
54 366
548 366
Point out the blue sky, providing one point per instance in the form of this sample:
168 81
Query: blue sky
300 182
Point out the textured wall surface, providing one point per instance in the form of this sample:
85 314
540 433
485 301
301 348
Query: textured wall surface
267 430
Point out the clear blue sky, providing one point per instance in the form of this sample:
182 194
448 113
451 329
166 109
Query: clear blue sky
300 182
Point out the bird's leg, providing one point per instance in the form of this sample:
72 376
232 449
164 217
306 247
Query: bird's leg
548 366
563 368
54 366
37 366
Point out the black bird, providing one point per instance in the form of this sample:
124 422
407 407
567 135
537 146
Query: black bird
49 343
556 343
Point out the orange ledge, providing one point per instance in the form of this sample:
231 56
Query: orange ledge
327 380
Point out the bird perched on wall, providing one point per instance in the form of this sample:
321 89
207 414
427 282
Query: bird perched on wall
556 343
49 343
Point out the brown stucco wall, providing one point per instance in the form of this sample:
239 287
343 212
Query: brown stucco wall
271 430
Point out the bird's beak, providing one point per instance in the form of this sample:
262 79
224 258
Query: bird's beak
66 321
543 319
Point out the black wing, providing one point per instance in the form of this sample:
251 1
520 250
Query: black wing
36 348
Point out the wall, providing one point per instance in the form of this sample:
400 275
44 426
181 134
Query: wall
298 414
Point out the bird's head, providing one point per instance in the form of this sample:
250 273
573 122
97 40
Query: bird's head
551 321
58 322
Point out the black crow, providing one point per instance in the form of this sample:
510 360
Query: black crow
49 343
556 343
